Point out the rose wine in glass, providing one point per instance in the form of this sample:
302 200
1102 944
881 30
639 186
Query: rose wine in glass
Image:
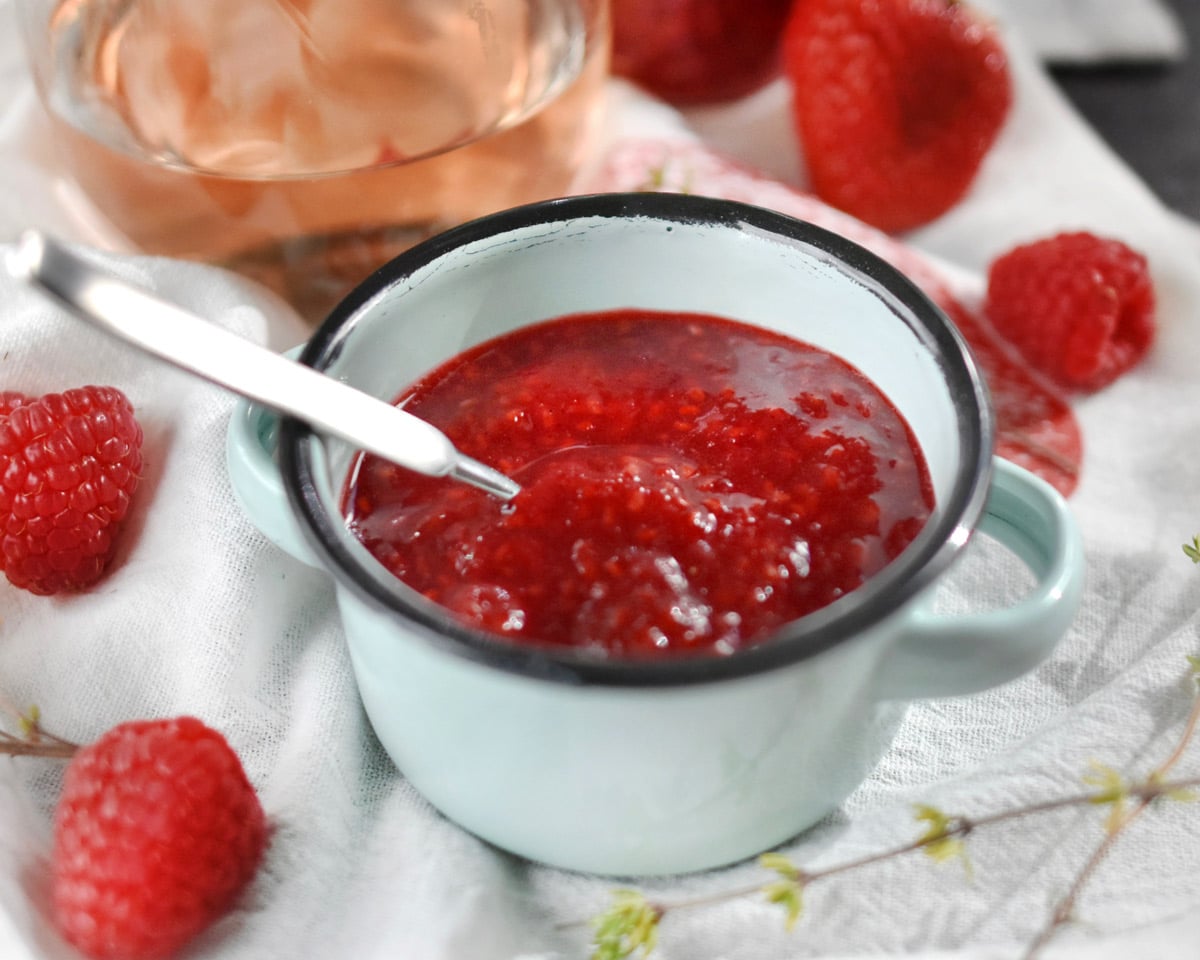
305 142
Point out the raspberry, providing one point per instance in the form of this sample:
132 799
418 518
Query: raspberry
69 464
156 833
698 51
1079 308
895 102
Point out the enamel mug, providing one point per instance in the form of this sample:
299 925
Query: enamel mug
640 768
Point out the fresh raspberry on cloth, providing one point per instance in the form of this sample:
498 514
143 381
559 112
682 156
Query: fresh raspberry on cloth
896 103
69 465
1078 307
157 831
698 51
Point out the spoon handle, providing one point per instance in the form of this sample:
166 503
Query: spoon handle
173 334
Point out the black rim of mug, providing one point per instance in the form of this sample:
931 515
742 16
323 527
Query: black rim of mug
883 594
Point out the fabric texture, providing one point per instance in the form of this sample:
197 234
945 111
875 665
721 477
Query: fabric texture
201 615
1095 31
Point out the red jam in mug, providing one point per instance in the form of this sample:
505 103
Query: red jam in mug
689 485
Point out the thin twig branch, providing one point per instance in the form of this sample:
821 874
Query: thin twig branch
1064 911
25 748
1145 792
34 740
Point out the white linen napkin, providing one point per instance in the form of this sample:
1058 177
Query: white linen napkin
201 615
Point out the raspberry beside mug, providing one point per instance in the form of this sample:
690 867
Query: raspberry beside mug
624 767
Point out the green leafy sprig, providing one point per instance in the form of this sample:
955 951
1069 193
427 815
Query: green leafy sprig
631 922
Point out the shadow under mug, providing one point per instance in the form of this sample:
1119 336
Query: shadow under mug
640 768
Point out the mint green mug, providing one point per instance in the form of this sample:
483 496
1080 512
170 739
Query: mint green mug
637 768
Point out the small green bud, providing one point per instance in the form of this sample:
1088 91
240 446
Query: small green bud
939 840
1112 790
628 925
788 891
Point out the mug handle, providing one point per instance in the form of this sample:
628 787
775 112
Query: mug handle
939 656
250 444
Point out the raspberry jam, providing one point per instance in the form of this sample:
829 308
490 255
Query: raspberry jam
689 484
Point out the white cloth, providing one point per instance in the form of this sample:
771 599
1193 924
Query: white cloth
1094 31
200 615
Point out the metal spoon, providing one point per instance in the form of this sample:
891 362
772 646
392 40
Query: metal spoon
202 348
